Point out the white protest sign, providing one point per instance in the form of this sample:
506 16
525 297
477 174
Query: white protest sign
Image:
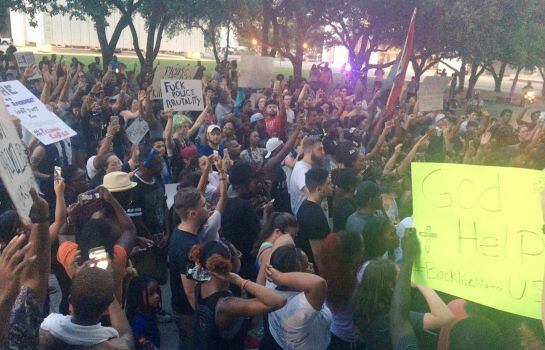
25 59
182 95
34 116
137 130
14 167
170 72
430 94
256 72
170 191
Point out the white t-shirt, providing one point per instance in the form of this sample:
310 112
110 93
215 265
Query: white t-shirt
299 326
290 116
91 171
296 184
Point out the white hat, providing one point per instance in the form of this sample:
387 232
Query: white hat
439 117
213 127
118 181
256 117
271 145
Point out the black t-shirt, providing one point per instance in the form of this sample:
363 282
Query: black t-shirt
151 198
279 189
341 211
180 244
313 226
240 226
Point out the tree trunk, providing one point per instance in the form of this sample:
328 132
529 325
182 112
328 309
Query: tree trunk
297 63
475 73
543 85
498 78
226 55
417 69
515 80
462 76
265 28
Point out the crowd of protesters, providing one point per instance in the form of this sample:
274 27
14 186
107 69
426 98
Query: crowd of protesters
290 227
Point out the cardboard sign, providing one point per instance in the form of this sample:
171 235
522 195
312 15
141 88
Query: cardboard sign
137 130
15 169
256 72
34 116
480 232
430 94
182 95
170 72
25 59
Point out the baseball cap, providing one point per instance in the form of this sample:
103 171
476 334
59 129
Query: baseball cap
256 117
272 144
365 191
439 117
213 127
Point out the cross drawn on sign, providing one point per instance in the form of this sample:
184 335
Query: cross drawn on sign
428 235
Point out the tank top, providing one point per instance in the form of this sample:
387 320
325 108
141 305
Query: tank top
262 248
207 334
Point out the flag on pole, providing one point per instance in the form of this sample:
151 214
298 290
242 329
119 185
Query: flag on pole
400 68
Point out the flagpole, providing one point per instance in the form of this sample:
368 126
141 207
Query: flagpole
401 57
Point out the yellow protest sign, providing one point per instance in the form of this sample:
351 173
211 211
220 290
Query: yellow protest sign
480 232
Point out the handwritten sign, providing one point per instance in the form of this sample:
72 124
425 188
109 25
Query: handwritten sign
256 72
182 95
137 130
25 59
480 234
170 72
14 167
430 94
34 116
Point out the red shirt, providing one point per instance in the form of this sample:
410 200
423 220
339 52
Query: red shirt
274 125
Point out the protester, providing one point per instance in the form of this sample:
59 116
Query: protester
256 167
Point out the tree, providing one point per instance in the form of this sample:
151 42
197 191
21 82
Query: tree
158 14
367 26
99 12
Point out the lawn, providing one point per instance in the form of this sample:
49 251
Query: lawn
131 61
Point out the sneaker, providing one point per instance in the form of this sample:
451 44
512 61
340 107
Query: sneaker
163 317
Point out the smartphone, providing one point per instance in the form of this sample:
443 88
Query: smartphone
114 119
216 154
117 70
58 172
88 197
100 257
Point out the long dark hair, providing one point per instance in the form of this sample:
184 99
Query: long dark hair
137 295
342 252
95 233
280 221
373 233
374 293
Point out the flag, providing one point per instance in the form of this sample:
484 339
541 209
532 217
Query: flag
400 68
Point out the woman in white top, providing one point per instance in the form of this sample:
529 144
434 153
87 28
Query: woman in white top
304 322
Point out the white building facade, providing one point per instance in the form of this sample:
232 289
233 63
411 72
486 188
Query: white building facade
61 30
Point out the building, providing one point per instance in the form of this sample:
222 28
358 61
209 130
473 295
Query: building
62 31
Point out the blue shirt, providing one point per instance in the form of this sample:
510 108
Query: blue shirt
208 151
145 329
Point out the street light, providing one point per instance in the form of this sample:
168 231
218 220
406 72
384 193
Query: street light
305 46
254 41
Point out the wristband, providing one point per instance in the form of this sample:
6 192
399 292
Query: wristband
243 284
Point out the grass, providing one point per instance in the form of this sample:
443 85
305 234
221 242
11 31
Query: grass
131 61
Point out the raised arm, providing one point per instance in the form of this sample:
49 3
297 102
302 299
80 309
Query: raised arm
392 161
303 94
198 122
400 326
36 275
314 287
406 162
60 210
286 149
222 202
439 315
265 300
37 155
106 145
63 97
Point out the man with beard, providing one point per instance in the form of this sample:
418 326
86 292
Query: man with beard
213 137
274 122
314 156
